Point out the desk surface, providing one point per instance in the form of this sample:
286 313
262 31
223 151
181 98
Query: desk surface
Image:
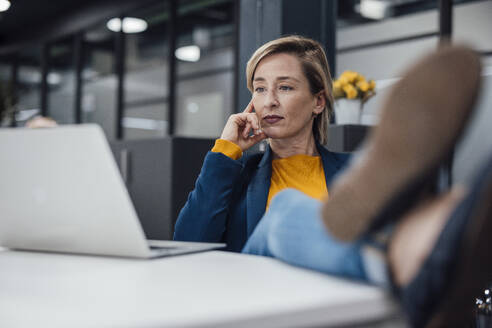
207 289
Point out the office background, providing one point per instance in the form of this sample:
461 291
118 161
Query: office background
163 94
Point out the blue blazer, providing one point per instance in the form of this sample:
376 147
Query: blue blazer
230 197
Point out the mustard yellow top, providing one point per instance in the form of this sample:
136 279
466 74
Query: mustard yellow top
302 172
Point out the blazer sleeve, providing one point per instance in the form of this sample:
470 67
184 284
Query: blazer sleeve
204 216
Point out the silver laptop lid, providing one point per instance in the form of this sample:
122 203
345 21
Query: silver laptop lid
60 190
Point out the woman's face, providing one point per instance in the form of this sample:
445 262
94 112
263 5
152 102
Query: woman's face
282 98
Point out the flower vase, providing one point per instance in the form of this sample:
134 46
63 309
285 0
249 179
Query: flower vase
348 111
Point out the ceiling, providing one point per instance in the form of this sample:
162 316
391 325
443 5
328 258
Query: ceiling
28 15
31 20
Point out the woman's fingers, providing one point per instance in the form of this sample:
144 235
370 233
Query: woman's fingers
249 108
248 122
254 139
253 120
246 129
243 128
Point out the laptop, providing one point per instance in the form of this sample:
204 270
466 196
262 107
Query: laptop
61 191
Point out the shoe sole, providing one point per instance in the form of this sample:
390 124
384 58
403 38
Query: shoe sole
421 120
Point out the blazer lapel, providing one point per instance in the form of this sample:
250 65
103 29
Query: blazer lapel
331 166
257 194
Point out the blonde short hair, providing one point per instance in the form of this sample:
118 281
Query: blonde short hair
315 67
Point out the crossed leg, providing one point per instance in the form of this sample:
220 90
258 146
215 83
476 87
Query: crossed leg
292 231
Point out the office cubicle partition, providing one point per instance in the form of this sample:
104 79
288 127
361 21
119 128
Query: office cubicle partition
159 174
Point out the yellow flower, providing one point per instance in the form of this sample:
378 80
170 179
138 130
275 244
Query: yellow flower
372 85
363 86
350 91
338 93
350 76
337 89
343 80
360 78
352 85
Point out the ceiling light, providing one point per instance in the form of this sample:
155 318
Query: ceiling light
375 9
188 53
193 107
130 25
4 5
53 78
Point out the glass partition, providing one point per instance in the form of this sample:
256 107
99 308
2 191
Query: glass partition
146 86
205 67
61 81
29 84
99 79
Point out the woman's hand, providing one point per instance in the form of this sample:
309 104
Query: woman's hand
239 126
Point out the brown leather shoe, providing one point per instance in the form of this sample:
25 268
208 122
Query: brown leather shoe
421 120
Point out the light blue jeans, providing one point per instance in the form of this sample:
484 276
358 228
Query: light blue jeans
292 231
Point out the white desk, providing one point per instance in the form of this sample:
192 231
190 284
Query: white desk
213 289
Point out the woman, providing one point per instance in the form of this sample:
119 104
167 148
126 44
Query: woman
291 104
